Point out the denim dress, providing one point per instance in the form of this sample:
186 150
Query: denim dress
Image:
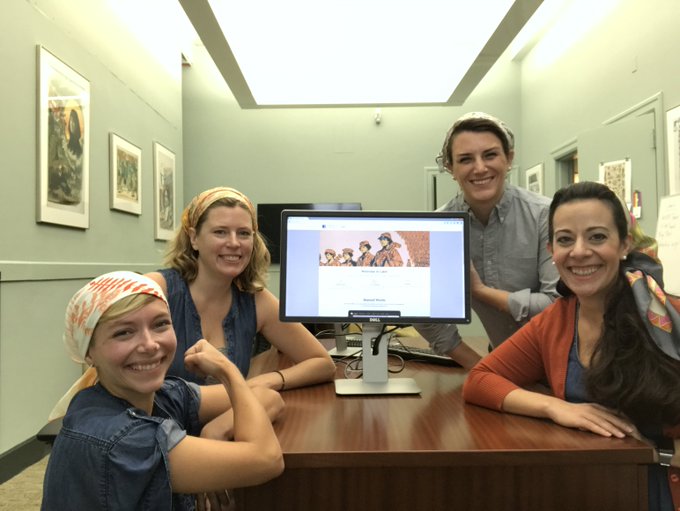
110 455
240 325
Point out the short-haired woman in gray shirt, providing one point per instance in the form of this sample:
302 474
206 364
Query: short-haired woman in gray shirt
512 277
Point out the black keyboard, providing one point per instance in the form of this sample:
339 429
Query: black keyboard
411 353
421 354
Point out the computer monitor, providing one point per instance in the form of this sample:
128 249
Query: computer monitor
269 220
375 268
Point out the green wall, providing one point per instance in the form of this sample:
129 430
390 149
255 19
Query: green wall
297 155
136 94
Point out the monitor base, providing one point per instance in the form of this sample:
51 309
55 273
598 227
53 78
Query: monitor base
359 387
347 352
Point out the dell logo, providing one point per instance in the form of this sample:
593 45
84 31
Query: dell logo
374 320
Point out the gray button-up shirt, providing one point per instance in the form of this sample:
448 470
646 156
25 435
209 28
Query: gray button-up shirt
509 253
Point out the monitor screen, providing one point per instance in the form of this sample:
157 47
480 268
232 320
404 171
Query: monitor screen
375 267
269 220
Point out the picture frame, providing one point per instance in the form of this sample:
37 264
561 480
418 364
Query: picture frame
164 191
534 179
63 106
618 176
126 175
673 149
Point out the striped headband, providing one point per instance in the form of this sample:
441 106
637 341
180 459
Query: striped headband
199 205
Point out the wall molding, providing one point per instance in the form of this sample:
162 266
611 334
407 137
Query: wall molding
18 271
21 457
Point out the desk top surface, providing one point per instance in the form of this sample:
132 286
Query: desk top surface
319 428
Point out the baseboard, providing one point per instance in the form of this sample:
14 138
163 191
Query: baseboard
21 457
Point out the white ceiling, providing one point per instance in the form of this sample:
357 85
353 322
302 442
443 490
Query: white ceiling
429 38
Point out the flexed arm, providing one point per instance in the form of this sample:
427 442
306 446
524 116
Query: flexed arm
204 465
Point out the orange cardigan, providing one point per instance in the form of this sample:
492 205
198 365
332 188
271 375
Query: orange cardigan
536 352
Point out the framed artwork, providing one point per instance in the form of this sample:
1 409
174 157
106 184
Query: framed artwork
534 179
617 175
126 176
673 148
63 141
164 191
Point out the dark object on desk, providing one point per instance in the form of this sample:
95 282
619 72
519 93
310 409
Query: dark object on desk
415 353
421 355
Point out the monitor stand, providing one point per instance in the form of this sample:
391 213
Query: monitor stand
375 375
341 350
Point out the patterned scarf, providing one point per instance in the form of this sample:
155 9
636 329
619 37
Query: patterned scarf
661 319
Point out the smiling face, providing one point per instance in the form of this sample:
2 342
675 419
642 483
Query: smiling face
586 247
133 352
224 241
480 166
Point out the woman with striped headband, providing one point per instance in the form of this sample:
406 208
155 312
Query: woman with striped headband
129 439
215 284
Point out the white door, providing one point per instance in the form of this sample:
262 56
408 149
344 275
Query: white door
440 188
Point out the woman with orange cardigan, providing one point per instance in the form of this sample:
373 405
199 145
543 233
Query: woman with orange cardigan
609 349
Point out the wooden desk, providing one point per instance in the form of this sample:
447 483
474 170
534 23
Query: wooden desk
433 452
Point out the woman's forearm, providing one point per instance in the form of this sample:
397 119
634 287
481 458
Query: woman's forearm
497 298
308 372
250 420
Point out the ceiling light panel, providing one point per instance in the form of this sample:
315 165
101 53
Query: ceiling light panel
354 52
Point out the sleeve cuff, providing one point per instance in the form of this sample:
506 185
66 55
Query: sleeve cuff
442 337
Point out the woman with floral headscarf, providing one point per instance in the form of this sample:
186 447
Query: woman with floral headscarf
129 439
609 349
215 284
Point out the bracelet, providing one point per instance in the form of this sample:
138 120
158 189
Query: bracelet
666 449
283 381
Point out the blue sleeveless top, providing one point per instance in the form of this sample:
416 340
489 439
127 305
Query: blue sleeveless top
240 325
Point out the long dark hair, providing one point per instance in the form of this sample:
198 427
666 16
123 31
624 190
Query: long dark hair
628 372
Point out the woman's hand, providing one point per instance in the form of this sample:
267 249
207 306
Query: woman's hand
215 501
476 284
497 298
591 417
204 360
270 380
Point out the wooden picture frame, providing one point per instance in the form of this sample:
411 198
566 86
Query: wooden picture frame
164 191
63 193
126 175
534 179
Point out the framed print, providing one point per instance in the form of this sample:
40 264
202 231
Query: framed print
164 191
673 148
64 140
534 179
126 177
617 175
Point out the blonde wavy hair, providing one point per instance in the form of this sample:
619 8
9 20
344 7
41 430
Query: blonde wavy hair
182 257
